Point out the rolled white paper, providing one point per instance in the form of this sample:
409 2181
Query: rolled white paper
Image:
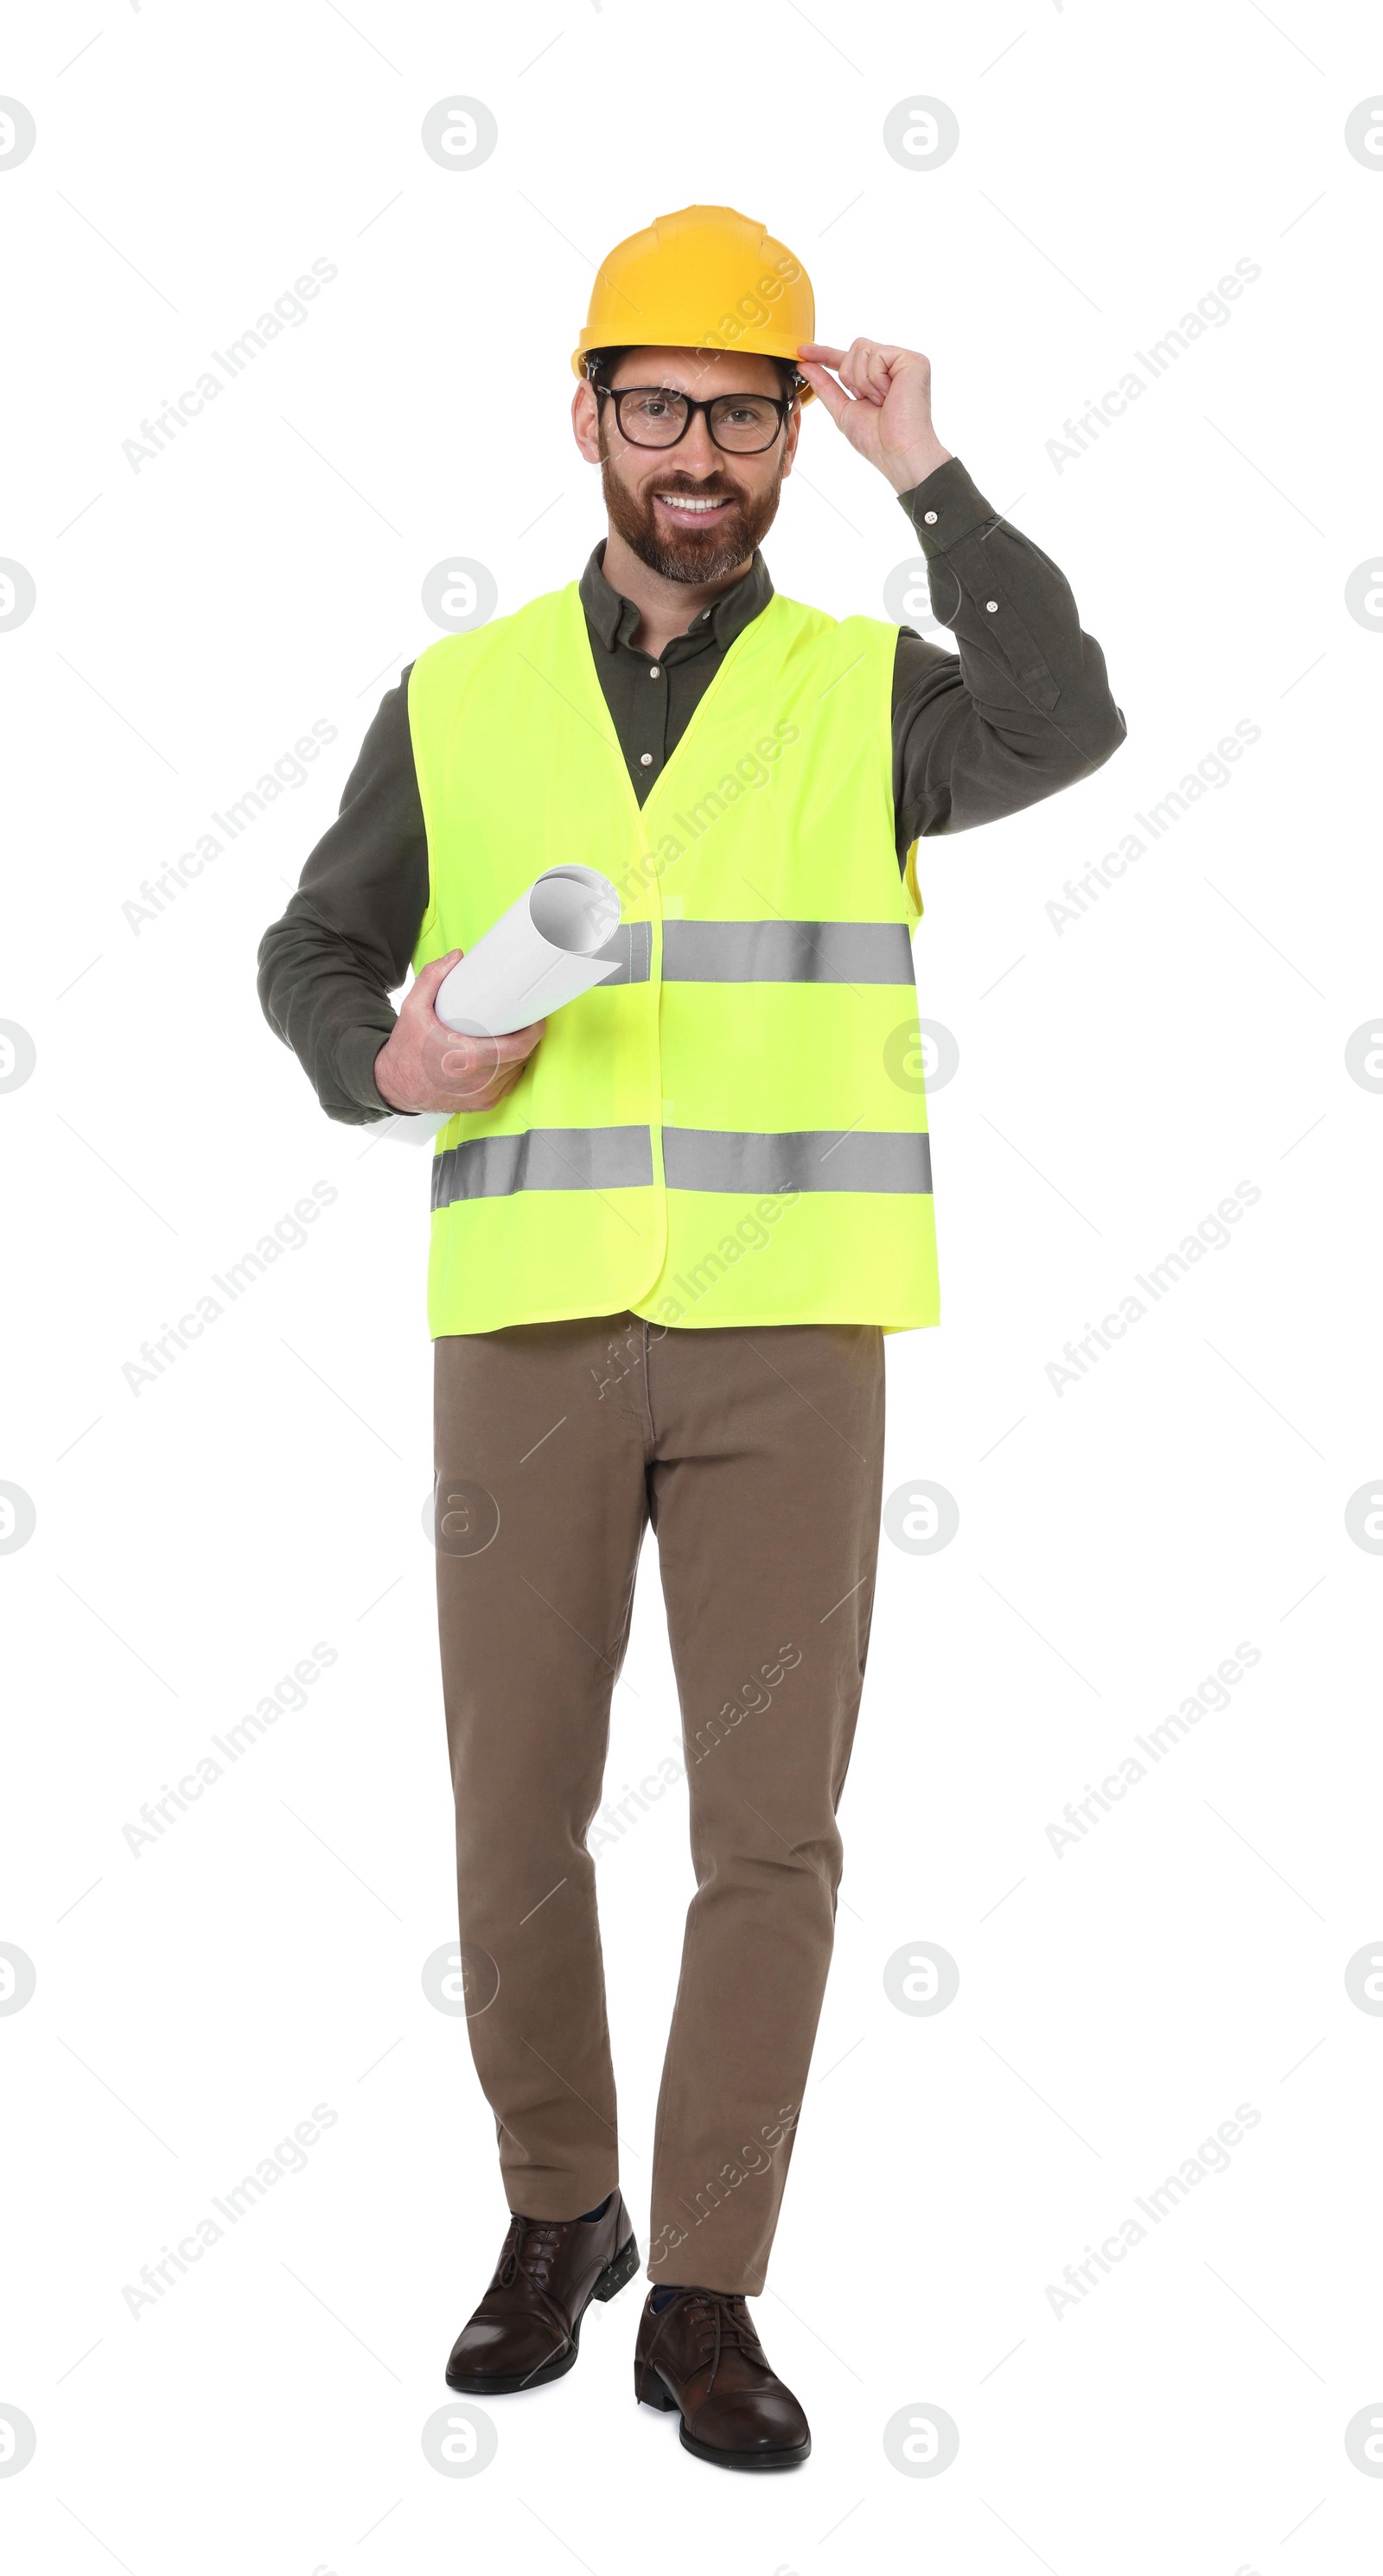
540 954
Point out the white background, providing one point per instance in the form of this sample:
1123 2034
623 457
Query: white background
1116 1540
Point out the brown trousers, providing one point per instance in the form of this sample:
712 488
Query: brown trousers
756 1453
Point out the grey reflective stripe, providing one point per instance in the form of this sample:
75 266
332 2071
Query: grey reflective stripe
763 952
544 1158
786 952
713 1158
629 952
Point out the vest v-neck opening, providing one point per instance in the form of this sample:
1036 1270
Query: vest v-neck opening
736 652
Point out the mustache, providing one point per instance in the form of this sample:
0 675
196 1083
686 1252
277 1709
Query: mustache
693 491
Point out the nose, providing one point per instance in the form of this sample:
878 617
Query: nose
698 453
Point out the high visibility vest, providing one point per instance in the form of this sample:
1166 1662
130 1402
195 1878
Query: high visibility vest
731 1128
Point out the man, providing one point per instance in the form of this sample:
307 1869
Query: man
671 1227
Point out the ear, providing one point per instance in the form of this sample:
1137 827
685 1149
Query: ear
585 422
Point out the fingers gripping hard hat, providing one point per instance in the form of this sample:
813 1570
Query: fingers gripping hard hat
704 278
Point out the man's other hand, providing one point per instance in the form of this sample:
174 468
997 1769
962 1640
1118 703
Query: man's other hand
426 1066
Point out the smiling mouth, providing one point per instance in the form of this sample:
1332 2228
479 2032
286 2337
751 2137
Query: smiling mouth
688 510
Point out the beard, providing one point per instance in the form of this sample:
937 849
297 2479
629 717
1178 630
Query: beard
690 554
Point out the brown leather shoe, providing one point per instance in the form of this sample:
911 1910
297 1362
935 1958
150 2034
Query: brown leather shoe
528 2325
701 2357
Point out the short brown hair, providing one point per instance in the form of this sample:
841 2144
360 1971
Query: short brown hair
601 365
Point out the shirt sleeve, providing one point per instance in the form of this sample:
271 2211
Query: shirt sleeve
1022 707
327 968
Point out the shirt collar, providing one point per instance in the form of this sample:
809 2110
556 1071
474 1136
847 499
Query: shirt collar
612 618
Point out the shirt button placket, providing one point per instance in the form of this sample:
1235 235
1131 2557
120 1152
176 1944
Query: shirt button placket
655 672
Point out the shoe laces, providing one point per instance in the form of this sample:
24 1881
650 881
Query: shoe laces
717 2318
529 2248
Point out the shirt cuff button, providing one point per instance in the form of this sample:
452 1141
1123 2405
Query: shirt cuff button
991 605
929 516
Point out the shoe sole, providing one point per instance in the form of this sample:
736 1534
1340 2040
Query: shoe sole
617 2272
657 2393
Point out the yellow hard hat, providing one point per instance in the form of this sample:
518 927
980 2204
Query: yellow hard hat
704 278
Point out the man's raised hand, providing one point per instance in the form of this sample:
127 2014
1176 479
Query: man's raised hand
882 402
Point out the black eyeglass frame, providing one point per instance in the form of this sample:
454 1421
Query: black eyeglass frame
782 404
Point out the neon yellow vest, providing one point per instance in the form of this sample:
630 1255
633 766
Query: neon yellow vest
731 1129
